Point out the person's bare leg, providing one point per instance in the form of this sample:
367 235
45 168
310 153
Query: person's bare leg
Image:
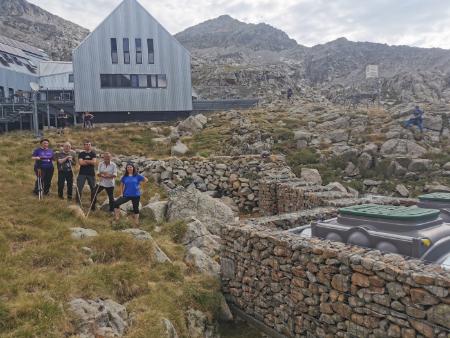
116 214
136 220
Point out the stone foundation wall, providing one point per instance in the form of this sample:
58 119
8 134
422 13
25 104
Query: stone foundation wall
285 196
236 177
306 287
280 196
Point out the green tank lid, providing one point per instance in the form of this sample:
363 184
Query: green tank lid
436 197
398 213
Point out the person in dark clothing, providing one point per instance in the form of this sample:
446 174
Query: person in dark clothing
65 161
43 166
87 160
130 185
62 121
416 119
107 173
289 94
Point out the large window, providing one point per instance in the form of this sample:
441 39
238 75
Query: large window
10 93
2 93
114 57
138 43
151 51
126 51
133 81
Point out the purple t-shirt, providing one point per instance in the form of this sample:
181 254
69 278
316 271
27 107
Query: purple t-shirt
46 156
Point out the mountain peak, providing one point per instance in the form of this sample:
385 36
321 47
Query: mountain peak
226 31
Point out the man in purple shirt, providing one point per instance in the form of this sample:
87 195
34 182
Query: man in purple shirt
43 165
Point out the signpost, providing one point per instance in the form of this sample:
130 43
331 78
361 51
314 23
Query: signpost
371 71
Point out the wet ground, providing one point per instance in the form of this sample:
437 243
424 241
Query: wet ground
239 329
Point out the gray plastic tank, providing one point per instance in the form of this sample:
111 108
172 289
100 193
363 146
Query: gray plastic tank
409 231
437 200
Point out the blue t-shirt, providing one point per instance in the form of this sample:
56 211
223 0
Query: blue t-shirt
131 184
46 156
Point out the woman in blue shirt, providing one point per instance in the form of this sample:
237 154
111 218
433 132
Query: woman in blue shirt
130 185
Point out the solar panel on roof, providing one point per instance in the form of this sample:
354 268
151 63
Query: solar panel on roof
3 62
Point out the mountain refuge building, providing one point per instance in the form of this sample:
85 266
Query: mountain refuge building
129 68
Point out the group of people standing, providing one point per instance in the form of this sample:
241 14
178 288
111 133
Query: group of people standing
66 162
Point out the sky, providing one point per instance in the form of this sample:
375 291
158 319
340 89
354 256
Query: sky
421 23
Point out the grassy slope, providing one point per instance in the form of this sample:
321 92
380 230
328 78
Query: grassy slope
41 267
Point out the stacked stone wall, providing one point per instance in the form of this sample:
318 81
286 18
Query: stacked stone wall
306 287
236 177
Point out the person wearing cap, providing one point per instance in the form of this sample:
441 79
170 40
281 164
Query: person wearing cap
65 161
43 166
130 187
107 173
87 160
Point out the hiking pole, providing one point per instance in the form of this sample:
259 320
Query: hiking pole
92 202
76 188
39 184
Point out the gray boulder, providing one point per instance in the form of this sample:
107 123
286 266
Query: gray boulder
201 262
365 161
420 165
192 125
337 136
371 148
199 325
402 190
351 170
396 169
399 147
155 211
80 233
94 318
432 122
336 186
302 135
179 149
198 235
311 176
142 235
171 332
187 203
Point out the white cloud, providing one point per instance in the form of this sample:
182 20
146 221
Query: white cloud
413 22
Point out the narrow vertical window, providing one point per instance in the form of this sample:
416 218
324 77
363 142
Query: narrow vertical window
114 57
70 78
151 52
126 51
138 51
134 81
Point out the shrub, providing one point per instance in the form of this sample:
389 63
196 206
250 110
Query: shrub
176 230
303 157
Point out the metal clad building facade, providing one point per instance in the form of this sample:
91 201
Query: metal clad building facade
56 75
17 67
170 94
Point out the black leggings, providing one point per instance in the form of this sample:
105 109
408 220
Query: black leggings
124 199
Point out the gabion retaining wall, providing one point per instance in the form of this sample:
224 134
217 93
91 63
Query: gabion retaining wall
306 287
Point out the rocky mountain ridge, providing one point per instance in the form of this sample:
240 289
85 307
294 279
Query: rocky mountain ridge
335 69
25 22
233 59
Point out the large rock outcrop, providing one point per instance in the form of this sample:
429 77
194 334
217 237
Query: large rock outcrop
98 318
185 203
